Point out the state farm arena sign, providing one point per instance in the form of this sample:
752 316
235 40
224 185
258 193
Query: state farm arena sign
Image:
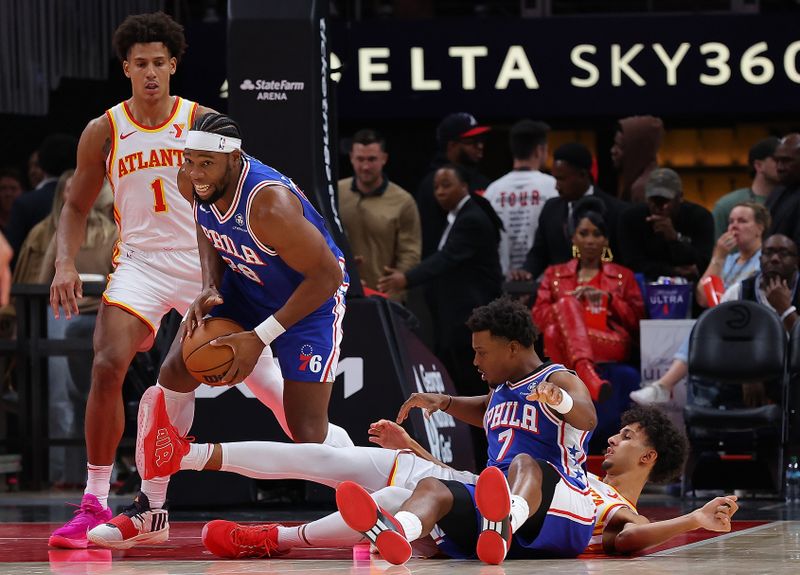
688 65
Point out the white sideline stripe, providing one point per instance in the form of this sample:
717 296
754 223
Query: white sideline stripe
712 540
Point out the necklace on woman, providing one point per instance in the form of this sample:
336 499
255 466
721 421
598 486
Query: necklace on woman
585 276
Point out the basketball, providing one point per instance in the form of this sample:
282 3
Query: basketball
208 363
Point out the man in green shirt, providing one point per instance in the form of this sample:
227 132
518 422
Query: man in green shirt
765 178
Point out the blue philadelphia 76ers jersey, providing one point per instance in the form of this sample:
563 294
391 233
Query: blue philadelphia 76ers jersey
256 271
515 425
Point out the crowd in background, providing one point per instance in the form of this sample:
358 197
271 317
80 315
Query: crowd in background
581 257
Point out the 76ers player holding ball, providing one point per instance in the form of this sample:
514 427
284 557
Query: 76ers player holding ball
269 264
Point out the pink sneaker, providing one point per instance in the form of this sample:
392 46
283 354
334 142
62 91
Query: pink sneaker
89 515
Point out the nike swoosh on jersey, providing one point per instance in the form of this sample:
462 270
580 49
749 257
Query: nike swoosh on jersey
123 136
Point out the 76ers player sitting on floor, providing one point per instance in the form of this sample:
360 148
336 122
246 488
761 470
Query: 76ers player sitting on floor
538 418
269 264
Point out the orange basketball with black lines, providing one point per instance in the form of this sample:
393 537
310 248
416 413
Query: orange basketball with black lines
208 363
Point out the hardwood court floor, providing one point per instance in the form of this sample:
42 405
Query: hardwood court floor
765 539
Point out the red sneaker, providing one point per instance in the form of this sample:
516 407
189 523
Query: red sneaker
159 446
233 541
362 514
493 499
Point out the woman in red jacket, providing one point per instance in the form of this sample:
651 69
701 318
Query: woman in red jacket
588 309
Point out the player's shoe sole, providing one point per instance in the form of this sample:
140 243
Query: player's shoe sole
362 514
159 446
493 499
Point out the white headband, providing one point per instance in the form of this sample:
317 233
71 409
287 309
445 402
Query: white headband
206 141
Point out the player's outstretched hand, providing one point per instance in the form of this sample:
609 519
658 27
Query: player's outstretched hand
247 348
547 393
66 290
196 313
716 514
389 435
430 402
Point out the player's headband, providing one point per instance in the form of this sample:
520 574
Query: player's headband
206 141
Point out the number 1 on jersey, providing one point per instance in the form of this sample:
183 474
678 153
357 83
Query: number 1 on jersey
160 200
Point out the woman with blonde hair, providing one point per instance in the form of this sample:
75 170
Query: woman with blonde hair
736 256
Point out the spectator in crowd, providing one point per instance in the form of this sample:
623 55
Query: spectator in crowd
460 142
10 190
666 236
775 286
764 172
736 256
31 254
784 201
462 274
35 173
57 153
589 308
35 266
572 164
70 377
518 196
634 154
380 218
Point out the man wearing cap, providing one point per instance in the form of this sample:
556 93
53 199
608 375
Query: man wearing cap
519 196
572 164
764 172
784 201
459 140
666 236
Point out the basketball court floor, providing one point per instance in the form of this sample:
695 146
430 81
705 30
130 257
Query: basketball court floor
765 539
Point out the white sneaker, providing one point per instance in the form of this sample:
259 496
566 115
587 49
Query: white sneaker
135 525
652 394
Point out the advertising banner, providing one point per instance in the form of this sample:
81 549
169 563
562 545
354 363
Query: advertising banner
666 65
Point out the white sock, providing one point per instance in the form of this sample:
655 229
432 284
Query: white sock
180 408
412 526
519 512
266 383
337 437
198 456
98 482
331 531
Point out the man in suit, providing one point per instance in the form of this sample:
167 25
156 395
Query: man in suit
57 153
460 141
462 274
784 201
572 164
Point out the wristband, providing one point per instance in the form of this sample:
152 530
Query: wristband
789 311
269 329
449 403
565 405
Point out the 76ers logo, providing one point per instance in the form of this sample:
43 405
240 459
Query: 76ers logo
309 361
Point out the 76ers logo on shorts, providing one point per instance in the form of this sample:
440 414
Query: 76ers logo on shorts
309 361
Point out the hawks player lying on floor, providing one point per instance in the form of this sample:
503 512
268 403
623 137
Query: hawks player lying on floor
648 447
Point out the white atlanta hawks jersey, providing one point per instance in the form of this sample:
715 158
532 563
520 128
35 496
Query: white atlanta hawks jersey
142 167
